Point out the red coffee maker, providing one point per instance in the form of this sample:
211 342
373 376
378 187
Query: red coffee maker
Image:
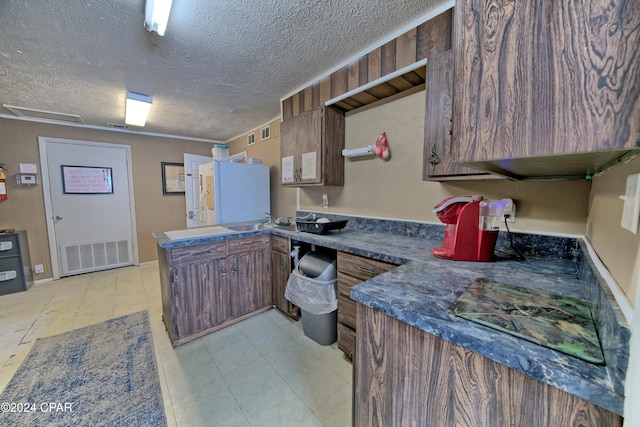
464 236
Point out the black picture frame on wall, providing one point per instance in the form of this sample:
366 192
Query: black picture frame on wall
86 179
172 178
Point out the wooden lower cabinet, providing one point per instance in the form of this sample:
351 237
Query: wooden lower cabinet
209 286
352 269
249 282
281 268
407 377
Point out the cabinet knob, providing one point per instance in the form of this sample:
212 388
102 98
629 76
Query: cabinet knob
282 265
234 268
58 217
223 271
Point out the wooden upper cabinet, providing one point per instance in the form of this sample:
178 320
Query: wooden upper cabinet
311 148
545 78
438 157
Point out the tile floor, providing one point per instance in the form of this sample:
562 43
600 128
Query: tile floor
260 372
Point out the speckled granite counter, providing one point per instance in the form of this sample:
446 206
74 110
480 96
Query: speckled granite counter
420 290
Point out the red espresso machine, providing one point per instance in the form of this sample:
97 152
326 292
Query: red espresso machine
470 234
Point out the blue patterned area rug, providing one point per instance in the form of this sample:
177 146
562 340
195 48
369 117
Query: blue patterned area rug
102 375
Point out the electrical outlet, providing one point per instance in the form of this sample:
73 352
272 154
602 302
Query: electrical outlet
38 268
631 209
325 201
509 209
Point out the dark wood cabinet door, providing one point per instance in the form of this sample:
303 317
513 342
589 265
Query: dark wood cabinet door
438 154
249 282
193 298
221 292
314 141
301 138
280 268
540 78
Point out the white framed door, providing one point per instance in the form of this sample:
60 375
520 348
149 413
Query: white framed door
192 187
90 229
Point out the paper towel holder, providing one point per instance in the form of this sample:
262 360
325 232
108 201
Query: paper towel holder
359 152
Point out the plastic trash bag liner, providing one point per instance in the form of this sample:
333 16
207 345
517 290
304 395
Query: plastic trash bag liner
314 296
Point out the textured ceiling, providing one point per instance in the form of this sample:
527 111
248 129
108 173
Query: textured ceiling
220 70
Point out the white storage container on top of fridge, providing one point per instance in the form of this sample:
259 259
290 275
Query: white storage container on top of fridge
220 152
233 192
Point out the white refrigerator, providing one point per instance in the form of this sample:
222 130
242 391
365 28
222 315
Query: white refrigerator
233 192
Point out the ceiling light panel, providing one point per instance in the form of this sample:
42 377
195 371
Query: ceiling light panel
137 109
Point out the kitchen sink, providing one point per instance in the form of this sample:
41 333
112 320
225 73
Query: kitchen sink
245 227
194 233
248 227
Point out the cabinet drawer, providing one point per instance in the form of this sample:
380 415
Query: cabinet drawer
11 275
361 267
9 245
280 244
347 312
198 253
256 243
346 339
346 282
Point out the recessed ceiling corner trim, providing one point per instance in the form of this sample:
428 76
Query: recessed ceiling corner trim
43 114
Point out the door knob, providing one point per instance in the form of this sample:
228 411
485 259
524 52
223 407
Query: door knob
58 217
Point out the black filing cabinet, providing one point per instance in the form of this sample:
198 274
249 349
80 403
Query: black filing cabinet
15 264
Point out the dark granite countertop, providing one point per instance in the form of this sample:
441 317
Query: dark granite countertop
421 289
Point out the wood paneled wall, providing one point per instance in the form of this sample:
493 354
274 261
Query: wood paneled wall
424 41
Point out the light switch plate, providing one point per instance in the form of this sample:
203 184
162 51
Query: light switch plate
631 209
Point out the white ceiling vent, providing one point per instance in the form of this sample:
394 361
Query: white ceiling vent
30 113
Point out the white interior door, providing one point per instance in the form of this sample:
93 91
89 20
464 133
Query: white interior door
192 187
91 221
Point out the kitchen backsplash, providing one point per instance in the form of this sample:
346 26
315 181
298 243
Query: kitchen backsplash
528 244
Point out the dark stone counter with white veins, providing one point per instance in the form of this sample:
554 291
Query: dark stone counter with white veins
420 291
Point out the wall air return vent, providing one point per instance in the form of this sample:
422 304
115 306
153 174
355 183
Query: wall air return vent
94 256
30 113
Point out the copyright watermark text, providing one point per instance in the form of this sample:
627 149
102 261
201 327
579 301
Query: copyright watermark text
20 407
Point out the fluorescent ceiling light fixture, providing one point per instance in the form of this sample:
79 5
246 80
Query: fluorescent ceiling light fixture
137 109
156 15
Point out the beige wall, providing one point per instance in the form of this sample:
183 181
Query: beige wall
24 208
618 248
283 199
394 189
